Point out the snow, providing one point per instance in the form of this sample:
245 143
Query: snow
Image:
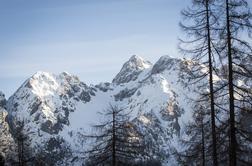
43 84
87 115
144 119
139 62
155 92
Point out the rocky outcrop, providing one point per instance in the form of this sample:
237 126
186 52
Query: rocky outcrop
48 99
131 69
7 145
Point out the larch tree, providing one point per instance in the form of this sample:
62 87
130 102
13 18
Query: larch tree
117 141
195 144
24 151
200 26
236 55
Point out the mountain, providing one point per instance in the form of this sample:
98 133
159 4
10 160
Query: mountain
59 110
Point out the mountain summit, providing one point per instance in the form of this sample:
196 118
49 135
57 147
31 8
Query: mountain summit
131 69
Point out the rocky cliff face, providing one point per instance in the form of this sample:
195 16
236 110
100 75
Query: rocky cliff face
2 100
131 69
7 143
47 100
61 107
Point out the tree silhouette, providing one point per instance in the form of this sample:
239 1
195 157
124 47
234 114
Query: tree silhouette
117 141
201 30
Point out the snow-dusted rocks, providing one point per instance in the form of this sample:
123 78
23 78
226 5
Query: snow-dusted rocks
165 63
131 69
7 142
61 106
45 100
2 100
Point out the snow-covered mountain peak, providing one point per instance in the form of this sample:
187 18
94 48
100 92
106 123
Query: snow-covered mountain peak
42 84
138 62
131 69
166 62
46 100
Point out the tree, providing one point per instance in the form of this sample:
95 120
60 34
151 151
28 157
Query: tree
2 160
195 143
202 29
235 52
24 151
56 151
117 142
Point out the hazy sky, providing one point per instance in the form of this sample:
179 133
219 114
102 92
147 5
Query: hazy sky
88 38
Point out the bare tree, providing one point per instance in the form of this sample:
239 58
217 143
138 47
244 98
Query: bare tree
235 53
24 151
117 141
195 144
201 30
56 151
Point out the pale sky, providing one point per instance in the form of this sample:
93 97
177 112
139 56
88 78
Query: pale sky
88 38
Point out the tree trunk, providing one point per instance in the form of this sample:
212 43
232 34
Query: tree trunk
203 142
215 159
232 157
113 142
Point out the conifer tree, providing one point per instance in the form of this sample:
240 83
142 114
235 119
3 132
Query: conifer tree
201 29
117 141
24 151
236 55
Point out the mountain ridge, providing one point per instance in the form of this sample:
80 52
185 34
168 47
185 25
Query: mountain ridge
63 106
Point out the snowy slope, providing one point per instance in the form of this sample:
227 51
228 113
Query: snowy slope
63 106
